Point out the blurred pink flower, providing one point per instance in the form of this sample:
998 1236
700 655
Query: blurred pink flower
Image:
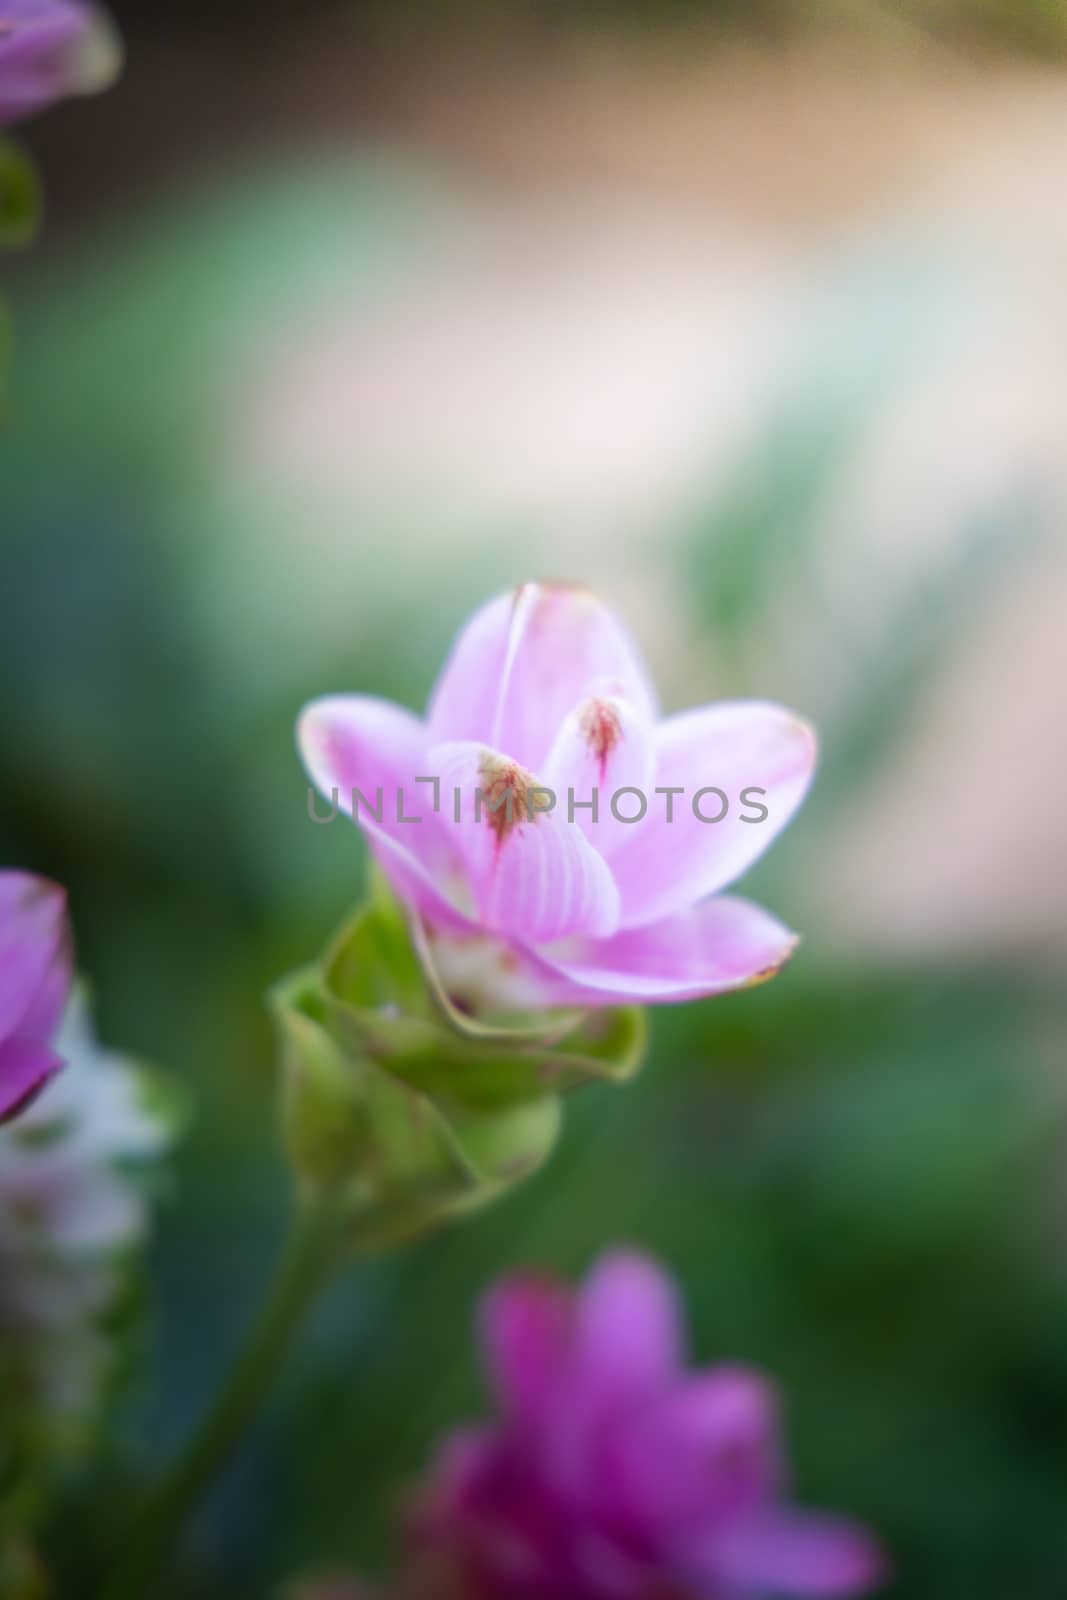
614 1474
35 982
530 906
50 49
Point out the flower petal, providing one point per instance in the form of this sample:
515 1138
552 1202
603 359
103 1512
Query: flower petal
626 1351
524 661
35 955
629 1325
808 1556
533 875
364 755
526 1324
604 746
25 1067
463 704
52 48
703 1454
724 943
674 858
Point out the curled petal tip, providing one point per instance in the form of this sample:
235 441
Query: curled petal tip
765 974
809 734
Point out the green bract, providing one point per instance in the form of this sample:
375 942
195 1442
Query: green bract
404 1109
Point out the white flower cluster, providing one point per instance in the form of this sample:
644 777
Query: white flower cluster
72 1209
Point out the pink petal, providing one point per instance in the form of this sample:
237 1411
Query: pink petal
25 1067
52 48
604 746
35 955
735 746
526 1325
804 1555
628 1337
463 704
627 1349
358 743
462 1464
43 1017
534 876
702 1454
524 661
722 944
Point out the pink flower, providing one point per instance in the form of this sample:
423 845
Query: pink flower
527 899
35 981
614 1474
49 49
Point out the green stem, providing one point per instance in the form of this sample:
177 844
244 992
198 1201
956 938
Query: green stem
304 1268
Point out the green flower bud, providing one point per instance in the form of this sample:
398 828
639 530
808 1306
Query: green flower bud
404 1109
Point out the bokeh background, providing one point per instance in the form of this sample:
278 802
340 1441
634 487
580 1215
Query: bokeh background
751 317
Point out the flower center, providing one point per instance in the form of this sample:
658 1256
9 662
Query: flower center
505 790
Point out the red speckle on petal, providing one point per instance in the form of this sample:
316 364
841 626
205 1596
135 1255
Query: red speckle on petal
505 790
601 728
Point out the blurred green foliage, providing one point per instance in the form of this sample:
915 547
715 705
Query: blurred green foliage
20 198
855 1171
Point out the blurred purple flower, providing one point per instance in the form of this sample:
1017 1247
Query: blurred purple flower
528 906
50 49
35 983
614 1474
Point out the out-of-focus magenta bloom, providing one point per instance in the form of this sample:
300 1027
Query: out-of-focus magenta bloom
49 49
614 1474
544 696
35 982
